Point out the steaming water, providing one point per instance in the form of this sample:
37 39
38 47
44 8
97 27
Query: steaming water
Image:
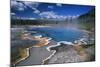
59 33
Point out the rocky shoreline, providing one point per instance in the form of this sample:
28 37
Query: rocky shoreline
65 53
23 50
51 52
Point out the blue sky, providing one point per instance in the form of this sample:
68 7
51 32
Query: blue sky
33 10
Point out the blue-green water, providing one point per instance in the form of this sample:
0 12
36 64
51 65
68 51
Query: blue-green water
37 55
59 33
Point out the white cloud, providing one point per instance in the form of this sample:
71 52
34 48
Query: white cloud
52 15
75 16
47 14
72 16
36 11
24 18
18 5
69 16
13 14
50 7
21 9
58 4
31 18
21 6
13 3
33 6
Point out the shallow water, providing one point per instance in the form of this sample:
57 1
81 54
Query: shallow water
59 33
37 55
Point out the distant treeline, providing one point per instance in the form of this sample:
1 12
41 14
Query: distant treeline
24 22
32 22
90 13
89 16
87 21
